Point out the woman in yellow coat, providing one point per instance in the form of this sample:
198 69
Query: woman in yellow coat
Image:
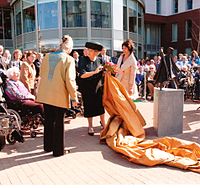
127 65
56 88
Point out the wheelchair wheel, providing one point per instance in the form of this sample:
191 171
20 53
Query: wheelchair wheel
35 126
11 140
16 117
2 142
33 134
74 115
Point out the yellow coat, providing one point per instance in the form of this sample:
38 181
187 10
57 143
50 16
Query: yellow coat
57 83
27 75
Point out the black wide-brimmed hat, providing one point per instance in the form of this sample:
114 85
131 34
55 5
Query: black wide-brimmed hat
94 46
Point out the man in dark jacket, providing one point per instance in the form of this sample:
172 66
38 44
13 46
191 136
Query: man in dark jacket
167 71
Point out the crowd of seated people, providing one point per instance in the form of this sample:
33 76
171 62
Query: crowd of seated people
187 79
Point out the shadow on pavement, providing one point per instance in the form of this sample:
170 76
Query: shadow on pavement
77 140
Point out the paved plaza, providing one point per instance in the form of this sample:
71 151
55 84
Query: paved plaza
90 162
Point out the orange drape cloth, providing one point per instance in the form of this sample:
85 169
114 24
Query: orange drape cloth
125 134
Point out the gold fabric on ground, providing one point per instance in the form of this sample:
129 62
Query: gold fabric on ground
125 134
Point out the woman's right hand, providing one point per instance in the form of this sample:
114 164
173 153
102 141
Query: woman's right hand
98 69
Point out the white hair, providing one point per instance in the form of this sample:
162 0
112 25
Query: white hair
67 43
10 72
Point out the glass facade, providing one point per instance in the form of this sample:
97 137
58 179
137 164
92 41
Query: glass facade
17 15
101 13
175 6
174 32
49 18
74 13
132 16
28 16
189 4
188 29
158 7
40 24
5 28
5 24
133 24
152 39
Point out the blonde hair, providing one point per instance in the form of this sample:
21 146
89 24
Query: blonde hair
67 43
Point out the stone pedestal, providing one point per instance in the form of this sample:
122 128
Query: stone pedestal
168 111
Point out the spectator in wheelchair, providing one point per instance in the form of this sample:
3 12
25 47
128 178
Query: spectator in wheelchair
17 94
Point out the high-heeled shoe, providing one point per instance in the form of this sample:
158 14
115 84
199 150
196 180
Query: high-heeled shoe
91 131
102 127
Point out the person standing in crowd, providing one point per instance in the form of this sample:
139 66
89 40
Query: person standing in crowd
6 59
76 57
89 68
85 51
37 64
114 58
104 57
195 57
127 64
28 72
57 86
16 62
1 57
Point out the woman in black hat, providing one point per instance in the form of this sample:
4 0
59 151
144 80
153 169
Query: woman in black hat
90 73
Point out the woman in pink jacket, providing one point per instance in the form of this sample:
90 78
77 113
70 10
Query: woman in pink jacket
127 65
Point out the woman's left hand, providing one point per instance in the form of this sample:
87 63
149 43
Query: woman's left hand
130 91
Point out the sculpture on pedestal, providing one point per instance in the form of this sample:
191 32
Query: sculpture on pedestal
167 71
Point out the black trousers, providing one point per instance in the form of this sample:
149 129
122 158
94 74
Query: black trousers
54 129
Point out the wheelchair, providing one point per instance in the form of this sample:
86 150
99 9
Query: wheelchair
10 128
73 111
28 120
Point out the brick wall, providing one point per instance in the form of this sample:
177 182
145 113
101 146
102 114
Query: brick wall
166 24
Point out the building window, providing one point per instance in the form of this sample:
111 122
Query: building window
174 53
174 32
140 20
7 24
28 16
49 18
125 18
158 7
74 13
175 6
189 4
1 24
188 29
18 22
188 50
101 13
133 17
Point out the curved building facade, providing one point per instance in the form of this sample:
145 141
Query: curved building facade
40 24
